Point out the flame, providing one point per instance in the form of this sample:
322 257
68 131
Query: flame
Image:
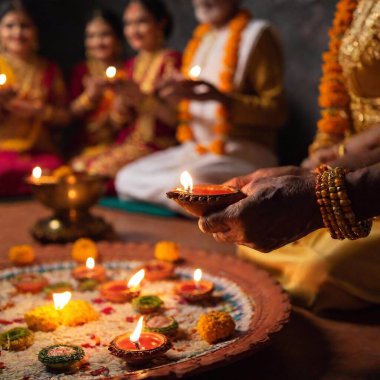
3 79
72 194
197 275
187 181
135 336
111 72
37 172
90 263
195 72
135 280
61 300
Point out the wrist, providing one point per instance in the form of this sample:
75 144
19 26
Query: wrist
362 186
316 220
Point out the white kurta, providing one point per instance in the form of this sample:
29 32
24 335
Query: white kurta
149 178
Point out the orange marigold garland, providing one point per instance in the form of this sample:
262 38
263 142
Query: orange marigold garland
334 98
222 126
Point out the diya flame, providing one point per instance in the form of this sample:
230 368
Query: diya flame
135 280
135 336
186 181
61 300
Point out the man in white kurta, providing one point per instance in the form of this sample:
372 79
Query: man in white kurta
256 110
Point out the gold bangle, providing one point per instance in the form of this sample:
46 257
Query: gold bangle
341 149
335 205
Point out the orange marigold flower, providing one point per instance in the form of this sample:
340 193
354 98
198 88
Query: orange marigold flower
166 251
334 100
184 133
333 124
22 254
84 248
200 149
217 147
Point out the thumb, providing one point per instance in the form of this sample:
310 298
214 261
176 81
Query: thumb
213 223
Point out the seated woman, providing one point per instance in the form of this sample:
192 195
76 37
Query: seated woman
93 98
317 271
32 100
234 104
150 121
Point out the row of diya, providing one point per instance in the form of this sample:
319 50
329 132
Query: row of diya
144 344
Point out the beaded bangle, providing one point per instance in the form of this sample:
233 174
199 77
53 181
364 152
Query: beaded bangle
335 205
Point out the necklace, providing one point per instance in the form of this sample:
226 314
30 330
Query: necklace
222 127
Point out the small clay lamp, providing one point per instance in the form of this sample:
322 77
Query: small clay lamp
90 271
200 200
121 291
195 290
139 347
156 270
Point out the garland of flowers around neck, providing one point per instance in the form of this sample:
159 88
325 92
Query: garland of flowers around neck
222 126
334 98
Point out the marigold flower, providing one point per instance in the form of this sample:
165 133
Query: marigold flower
215 326
167 251
84 248
22 254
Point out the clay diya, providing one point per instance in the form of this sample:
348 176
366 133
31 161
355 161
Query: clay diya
139 347
29 282
195 290
161 324
90 271
156 270
203 199
121 291
147 304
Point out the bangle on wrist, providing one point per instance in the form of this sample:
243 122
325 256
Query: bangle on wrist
335 205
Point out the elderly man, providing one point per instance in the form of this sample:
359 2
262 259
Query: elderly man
281 207
232 103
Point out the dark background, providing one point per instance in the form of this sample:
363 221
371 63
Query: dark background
302 24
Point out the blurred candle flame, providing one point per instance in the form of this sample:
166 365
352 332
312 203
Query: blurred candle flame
3 79
90 263
186 181
61 300
111 72
135 336
135 280
197 275
37 172
195 72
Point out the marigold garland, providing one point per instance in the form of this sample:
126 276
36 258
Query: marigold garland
226 82
334 98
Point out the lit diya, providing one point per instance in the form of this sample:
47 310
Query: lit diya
156 270
195 290
139 347
90 271
200 200
121 291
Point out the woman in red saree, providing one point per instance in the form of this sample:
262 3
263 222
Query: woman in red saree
149 121
32 100
92 97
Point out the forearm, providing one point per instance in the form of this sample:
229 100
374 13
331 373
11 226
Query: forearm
357 161
363 188
161 110
81 106
269 110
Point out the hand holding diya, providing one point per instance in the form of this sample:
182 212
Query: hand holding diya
195 290
121 291
139 347
200 200
90 271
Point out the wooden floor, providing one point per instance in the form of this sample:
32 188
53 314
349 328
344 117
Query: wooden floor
340 347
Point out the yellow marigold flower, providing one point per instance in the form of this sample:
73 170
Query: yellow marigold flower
215 326
166 251
62 171
22 254
84 248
